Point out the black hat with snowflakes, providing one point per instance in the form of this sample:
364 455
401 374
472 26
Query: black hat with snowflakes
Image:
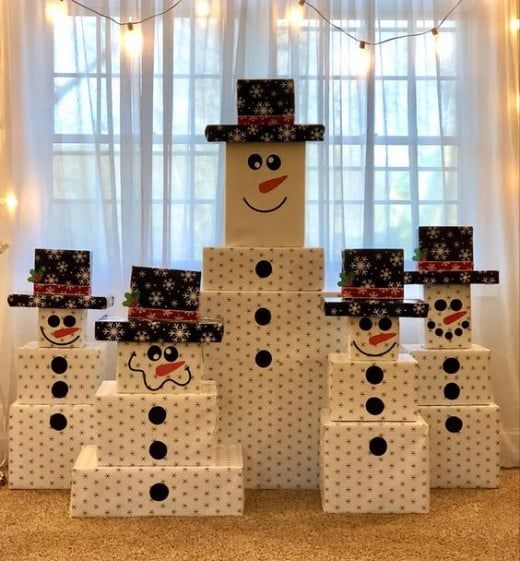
61 280
162 307
445 256
265 114
372 284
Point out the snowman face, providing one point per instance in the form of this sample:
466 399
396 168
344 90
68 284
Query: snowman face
61 327
164 367
448 325
372 338
265 194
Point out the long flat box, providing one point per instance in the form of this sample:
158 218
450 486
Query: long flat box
44 442
262 268
52 375
216 490
372 391
374 467
464 444
453 376
156 430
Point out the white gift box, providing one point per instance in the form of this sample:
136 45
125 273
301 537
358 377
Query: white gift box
52 375
364 338
44 441
61 328
152 367
448 325
158 491
372 391
156 430
374 467
454 376
262 268
464 445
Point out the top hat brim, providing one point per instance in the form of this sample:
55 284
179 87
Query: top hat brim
143 331
366 307
451 277
60 301
238 134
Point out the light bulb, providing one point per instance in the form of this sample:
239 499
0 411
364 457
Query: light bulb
10 202
295 15
443 44
361 60
514 25
132 39
55 10
202 9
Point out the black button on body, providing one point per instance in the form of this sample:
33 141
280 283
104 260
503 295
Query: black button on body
377 446
59 364
158 450
451 365
58 421
263 316
374 406
453 424
59 389
263 359
374 375
159 492
263 269
451 391
157 415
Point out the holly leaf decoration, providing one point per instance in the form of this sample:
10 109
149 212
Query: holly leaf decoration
419 254
132 299
36 275
346 279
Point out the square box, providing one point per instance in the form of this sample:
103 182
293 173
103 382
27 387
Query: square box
44 442
373 338
372 391
464 445
62 327
216 490
453 376
156 430
51 375
271 269
374 467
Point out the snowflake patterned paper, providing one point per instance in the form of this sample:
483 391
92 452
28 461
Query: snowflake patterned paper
374 268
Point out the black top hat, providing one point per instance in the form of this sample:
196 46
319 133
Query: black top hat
371 284
445 256
163 307
61 279
265 114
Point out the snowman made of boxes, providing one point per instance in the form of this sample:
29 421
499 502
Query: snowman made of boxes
156 452
57 375
454 382
373 442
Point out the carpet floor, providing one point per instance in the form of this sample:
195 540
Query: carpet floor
462 525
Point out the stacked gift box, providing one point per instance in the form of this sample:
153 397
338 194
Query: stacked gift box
57 375
454 375
155 451
373 442
268 288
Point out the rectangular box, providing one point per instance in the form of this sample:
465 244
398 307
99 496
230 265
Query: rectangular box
374 467
151 367
453 376
276 269
464 445
158 491
44 442
372 391
156 430
373 338
52 375
61 328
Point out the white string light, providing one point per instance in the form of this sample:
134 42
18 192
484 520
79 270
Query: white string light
10 202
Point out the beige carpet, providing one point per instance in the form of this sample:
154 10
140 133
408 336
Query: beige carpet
462 525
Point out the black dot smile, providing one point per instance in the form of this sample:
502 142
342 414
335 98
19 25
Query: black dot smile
266 210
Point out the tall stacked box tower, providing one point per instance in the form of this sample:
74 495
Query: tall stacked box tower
58 374
454 374
267 287
373 442
155 452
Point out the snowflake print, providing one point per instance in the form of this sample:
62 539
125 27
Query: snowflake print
465 254
52 279
433 233
263 108
113 331
80 256
83 276
191 296
189 276
418 309
465 278
156 298
440 251
141 337
55 254
385 274
360 265
236 135
316 134
178 333
207 337
354 309
62 266
396 259
287 133
266 137
241 102
252 130
168 285
257 90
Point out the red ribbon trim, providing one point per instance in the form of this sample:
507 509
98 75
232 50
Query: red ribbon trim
70 289
156 314
445 265
361 292
266 120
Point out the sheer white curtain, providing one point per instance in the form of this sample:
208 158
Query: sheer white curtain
108 151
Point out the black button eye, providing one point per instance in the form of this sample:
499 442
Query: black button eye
273 162
171 354
254 161
440 305
53 320
365 324
385 324
456 305
69 321
154 353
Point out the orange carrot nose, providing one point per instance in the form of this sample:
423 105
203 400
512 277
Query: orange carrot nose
453 317
164 369
271 184
380 338
64 332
